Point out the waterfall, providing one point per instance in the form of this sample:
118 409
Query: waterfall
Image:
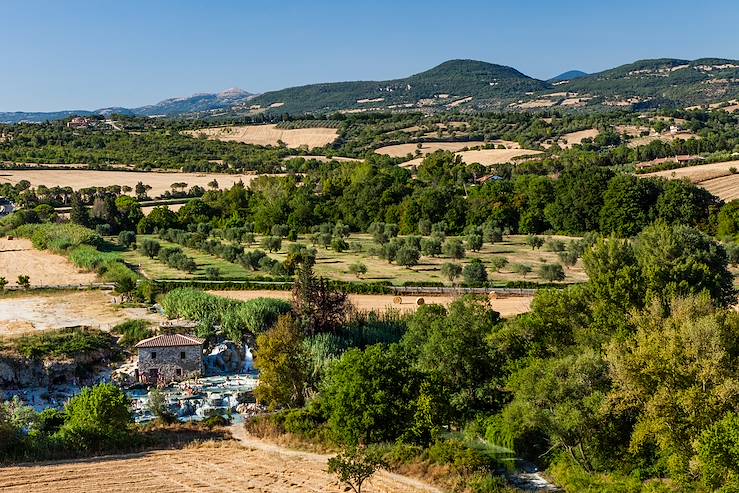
248 359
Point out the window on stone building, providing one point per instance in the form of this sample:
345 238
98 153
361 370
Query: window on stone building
182 354
153 355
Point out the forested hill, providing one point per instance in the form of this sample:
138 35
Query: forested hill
441 87
466 85
664 82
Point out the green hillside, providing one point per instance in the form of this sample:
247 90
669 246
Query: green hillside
665 82
489 85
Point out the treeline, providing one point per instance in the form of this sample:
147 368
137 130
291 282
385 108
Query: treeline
584 198
54 143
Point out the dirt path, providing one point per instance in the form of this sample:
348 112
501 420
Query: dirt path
383 481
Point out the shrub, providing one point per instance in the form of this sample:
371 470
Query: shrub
126 238
24 281
407 256
150 248
132 331
453 248
475 273
498 263
358 269
98 418
551 272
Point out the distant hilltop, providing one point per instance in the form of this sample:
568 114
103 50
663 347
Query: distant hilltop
464 85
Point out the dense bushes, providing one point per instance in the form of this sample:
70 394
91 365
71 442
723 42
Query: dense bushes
58 237
68 342
235 317
132 331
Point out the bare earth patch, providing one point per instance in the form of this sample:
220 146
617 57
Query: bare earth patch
159 181
28 313
265 135
18 257
507 307
211 467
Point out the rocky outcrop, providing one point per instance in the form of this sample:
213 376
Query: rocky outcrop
17 371
224 358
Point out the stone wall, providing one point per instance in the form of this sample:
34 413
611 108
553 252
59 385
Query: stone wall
168 361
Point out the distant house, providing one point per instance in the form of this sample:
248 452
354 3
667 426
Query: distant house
81 122
169 358
682 159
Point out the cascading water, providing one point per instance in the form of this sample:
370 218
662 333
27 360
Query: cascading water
248 359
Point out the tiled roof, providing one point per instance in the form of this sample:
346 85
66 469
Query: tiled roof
170 340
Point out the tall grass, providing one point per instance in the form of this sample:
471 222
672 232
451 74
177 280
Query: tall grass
79 244
57 237
234 317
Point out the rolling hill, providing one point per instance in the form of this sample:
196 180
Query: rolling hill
197 103
464 85
663 82
444 86
569 75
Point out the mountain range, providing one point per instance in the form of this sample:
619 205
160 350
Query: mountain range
464 85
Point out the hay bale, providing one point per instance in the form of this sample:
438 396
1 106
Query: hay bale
397 300
420 301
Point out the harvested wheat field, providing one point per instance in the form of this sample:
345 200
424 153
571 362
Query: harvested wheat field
725 187
568 140
269 135
699 173
325 159
159 182
28 312
488 157
210 467
18 257
402 150
664 137
507 307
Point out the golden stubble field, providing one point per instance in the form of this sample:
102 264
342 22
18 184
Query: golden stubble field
507 307
159 182
18 257
266 135
225 467
485 157
717 178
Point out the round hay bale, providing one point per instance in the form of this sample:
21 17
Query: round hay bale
420 301
397 300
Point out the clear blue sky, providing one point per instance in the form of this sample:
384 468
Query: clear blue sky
89 54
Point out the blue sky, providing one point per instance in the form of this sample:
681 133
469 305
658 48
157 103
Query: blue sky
76 54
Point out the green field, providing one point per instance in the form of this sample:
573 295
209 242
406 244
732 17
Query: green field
155 269
335 265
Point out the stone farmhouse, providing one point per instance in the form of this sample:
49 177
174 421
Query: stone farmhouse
169 358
